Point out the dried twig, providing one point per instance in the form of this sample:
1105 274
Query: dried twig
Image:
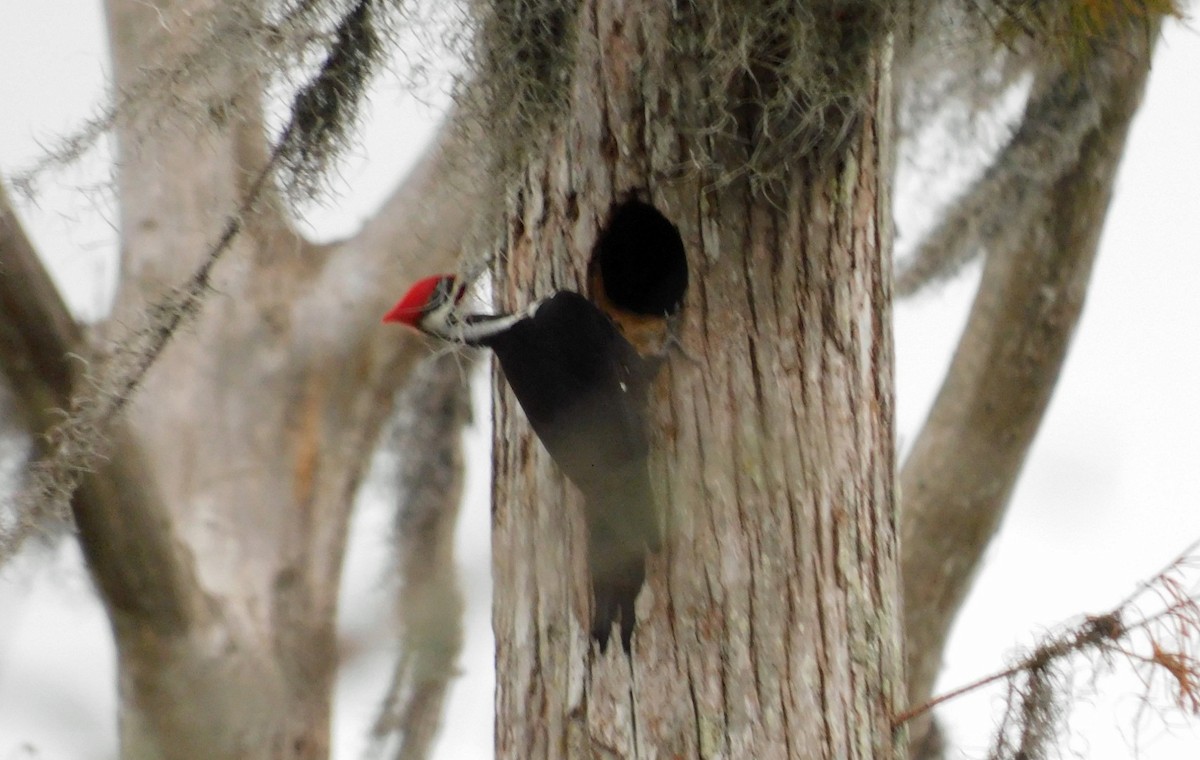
1163 642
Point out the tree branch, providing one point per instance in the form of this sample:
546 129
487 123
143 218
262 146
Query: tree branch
419 229
960 474
428 440
38 331
123 527
289 380
995 211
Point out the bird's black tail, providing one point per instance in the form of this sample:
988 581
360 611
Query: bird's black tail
615 586
622 531
615 589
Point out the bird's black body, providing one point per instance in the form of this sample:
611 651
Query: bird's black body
583 388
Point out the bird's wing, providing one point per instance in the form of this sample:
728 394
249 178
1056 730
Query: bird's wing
579 383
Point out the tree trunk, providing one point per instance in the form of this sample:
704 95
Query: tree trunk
769 625
221 576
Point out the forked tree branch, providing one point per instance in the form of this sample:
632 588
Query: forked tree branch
335 366
420 229
143 574
956 482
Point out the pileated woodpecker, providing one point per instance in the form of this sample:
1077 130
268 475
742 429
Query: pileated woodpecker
583 387
581 369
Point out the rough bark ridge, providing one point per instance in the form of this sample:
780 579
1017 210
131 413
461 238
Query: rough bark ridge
769 626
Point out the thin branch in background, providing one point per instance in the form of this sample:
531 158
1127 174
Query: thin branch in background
427 439
349 46
1161 646
991 214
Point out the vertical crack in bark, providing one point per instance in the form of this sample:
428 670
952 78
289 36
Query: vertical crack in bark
819 609
633 711
728 711
751 631
696 716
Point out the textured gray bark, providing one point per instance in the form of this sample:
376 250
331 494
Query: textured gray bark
769 626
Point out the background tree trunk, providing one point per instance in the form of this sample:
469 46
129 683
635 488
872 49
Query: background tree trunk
959 476
215 532
770 623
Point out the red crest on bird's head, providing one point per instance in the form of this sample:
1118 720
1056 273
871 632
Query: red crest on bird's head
421 297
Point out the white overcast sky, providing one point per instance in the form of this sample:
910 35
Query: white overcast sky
1111 490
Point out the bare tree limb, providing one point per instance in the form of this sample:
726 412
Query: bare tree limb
37 336
420 228
995 211
427 439
336 324
38 331
143 574
80 437
958 478
256 427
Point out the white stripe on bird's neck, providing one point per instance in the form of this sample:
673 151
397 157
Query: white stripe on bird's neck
444 323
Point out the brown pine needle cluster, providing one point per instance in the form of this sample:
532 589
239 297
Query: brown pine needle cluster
1155 632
